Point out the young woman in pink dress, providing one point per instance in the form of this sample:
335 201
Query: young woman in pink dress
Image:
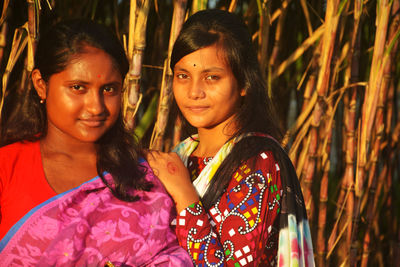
74 189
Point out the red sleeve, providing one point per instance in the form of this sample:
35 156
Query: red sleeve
242 227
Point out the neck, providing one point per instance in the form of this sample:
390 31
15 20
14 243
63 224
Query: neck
54 144
211 140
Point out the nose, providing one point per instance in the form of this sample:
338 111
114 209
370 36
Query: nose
95 102
196 89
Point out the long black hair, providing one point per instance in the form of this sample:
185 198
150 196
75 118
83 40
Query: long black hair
118 152
256 113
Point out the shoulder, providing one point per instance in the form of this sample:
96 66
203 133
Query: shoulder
262 165
18 147
18 157
263 150
19 151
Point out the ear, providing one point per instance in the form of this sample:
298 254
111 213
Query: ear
39 84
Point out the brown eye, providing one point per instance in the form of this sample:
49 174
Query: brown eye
110 90
76 87
212 77
182 76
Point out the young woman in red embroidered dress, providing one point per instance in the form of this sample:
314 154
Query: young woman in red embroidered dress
240 203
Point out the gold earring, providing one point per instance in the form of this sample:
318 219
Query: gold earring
42 101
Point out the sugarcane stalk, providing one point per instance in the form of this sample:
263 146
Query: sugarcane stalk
178 18
278 12
3 36
198 5
136 46
4 11
350 99
132 28
373 90
278 35
32 30
307 16
391 92
232 5
387 84
263 40
18 45
323 199
379 60
328 45
324 151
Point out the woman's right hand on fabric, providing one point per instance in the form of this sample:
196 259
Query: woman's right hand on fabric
171 171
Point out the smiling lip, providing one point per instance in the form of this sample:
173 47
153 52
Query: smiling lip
197 109
93 122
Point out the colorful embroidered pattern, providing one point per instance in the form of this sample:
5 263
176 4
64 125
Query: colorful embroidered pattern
242 229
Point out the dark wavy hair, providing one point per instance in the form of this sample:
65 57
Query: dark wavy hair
118 151
256 113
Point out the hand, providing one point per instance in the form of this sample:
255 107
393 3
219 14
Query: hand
169 168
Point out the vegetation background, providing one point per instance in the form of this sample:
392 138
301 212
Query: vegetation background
332 68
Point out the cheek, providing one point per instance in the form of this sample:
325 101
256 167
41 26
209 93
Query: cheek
177 92
113 106
62 105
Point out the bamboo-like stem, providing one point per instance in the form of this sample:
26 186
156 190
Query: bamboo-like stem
198 5
278 12
278 35
328 46
32 30
324 151
373 89
323 199
3 36
263 39
4 11
232 5
166 90
389 105
132 82
379 122
369 108
351 75
371 204
307 16
18 45
132 27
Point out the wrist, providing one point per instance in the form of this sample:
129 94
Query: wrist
186 202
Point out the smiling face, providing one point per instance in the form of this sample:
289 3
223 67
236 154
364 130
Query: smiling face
83 101
206 90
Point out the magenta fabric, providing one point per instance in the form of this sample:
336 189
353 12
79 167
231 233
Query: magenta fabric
88 226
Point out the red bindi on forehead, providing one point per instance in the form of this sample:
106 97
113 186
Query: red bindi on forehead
99 76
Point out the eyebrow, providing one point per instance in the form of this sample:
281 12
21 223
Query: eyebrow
211 69
85 83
